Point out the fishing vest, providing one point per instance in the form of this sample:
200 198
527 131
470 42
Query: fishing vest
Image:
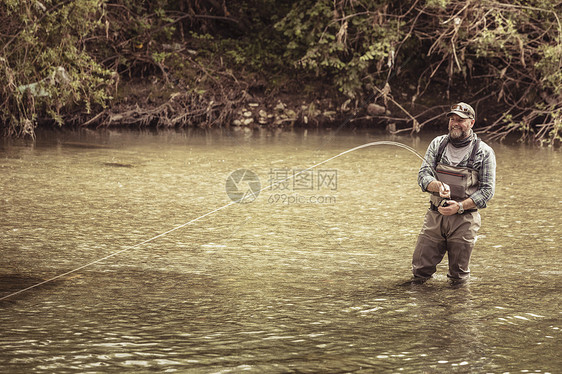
463 180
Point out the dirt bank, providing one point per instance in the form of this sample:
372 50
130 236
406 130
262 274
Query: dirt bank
159 104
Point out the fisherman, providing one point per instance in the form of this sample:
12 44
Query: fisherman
465 182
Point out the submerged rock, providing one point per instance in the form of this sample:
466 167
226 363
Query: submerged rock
118 165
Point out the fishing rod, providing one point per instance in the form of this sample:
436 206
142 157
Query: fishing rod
382 142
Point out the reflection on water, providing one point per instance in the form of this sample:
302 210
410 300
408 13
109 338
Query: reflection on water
298 285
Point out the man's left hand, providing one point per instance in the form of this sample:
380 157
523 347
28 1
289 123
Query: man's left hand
450 209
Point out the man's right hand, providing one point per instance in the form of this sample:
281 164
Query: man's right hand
444 190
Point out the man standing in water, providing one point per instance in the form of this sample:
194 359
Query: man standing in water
465 181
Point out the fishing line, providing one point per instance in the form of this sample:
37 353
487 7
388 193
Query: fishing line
382 142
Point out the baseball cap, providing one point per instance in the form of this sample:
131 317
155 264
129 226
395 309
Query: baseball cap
463 110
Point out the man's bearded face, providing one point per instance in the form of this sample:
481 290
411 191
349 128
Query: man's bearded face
459 128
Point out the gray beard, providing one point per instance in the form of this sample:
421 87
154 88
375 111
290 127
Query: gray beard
463 134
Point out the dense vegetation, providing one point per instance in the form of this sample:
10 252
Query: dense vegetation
177 63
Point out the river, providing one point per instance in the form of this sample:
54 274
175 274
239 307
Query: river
308 277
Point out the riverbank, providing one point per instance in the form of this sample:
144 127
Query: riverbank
155 103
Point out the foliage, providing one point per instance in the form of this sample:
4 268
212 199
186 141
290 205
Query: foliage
507 51
351 43
63 59
44 67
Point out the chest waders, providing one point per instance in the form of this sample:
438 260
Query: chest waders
463 180
454 234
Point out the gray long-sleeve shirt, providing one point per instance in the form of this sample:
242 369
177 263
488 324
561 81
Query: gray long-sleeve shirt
484 163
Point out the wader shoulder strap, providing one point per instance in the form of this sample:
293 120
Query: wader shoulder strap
441 150
473 154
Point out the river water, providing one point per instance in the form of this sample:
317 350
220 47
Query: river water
309 277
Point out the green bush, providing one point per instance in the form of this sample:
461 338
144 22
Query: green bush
44 65
353 44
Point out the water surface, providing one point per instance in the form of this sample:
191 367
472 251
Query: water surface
306 278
